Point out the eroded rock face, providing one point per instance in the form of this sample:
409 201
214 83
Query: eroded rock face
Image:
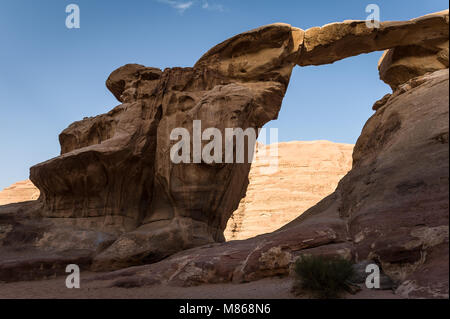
113 198
396 196
116 167
399 65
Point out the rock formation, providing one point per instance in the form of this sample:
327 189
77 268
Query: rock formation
307 172
114 198
116 168
390 209
336 41
19 192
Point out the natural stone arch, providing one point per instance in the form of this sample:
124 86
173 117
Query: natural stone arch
114 174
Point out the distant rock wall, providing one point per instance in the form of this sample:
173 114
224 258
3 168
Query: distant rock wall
307 172
19 192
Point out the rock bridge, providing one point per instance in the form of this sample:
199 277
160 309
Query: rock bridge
114 191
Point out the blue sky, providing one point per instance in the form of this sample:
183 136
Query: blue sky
51 76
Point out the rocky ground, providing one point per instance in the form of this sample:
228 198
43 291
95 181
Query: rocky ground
268 288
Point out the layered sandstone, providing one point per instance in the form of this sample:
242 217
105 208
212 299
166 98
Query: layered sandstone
19 192
306 173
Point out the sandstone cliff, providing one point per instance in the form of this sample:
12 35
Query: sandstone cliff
19 192
307 172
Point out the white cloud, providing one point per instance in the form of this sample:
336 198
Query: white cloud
212 7
180 6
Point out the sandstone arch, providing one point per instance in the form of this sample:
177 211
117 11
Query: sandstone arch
114 177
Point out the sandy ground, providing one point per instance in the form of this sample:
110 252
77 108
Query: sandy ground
269 288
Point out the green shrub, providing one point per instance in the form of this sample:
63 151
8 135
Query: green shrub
325 277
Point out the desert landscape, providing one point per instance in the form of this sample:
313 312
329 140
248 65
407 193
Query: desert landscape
308 172
140 225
